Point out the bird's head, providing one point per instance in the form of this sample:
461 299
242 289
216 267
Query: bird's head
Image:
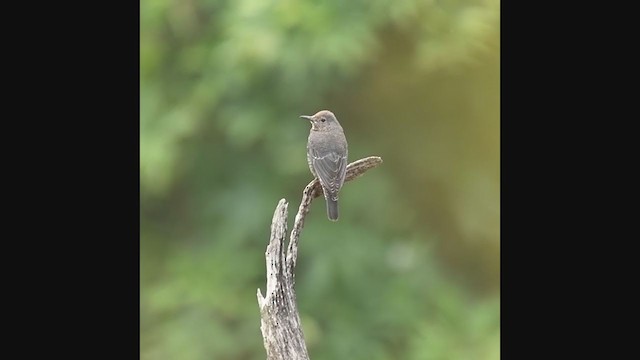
322 121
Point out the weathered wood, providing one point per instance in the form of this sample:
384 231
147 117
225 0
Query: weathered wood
280 322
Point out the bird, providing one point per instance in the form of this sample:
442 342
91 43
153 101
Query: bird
327 152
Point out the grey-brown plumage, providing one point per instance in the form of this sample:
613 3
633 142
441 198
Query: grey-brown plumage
327 156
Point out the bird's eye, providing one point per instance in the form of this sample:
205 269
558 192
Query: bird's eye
323 119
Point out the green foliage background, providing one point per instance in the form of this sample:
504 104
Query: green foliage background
411 270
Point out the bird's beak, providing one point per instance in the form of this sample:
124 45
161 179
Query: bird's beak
306 117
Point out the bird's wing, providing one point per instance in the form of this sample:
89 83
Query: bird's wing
331 168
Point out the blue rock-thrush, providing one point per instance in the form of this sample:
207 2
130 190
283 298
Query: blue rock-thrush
327 156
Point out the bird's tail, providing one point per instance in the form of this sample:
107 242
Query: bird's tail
332 209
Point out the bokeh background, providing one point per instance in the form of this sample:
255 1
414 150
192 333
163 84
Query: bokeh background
411 270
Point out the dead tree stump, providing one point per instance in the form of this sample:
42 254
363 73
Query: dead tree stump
280 321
